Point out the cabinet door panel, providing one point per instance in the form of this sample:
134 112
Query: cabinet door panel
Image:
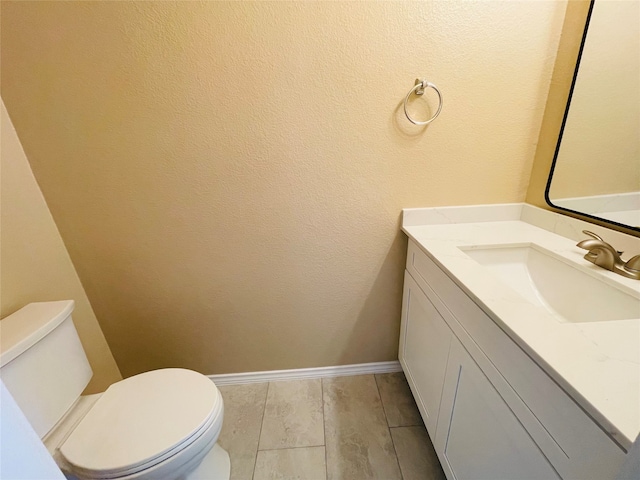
424 349
480 437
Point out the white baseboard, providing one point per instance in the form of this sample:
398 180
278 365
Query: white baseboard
306 373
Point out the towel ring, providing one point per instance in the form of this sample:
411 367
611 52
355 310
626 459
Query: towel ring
421 85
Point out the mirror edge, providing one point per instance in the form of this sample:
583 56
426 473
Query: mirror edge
583 215
572 39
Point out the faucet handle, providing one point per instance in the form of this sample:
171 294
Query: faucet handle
598 237
633 264
593 235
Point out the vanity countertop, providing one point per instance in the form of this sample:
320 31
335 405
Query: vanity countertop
596 363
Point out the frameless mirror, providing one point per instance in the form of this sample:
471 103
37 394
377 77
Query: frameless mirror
596 168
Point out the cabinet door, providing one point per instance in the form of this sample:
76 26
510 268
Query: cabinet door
479 437
424 348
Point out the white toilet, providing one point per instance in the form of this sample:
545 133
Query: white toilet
162 424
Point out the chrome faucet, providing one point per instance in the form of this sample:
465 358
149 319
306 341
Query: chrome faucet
604 255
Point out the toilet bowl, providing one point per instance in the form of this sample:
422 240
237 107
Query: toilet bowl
161 424
158 424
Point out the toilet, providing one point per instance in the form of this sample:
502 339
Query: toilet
158 425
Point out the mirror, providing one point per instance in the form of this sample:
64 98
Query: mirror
596 168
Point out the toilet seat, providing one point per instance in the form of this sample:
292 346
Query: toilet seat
145 423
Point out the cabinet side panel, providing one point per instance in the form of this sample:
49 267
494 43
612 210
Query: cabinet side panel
425 350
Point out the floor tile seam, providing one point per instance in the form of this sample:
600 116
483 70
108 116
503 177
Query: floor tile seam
308 405
395 450
264 408
393 444
407 426
286 447
384 410
290 448
270 386
375 376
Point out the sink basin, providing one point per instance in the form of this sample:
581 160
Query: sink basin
568 292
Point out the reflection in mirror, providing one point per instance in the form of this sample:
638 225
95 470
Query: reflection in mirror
596 170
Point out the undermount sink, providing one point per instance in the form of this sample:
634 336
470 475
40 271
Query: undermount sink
566 291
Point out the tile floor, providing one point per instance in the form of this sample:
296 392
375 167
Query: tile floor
346 428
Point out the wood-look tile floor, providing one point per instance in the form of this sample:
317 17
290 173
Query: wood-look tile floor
347 428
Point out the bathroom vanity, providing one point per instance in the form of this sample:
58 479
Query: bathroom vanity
523 358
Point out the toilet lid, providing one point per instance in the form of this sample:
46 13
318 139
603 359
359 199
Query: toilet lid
141 419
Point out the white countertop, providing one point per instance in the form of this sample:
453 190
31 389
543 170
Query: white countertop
597 363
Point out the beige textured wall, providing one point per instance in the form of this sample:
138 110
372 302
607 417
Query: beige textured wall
228 177
600 150
35 264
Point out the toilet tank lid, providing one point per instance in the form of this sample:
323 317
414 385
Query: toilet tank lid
24 328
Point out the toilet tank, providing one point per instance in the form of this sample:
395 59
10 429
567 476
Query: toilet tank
42 362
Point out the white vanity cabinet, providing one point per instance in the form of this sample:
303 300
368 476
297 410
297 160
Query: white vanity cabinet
478 436
491 412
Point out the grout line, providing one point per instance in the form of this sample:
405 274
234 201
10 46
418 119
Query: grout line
290 448
324 432
395 452
384 410
264 409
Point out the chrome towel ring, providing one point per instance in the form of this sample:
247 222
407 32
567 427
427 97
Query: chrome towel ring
421 85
